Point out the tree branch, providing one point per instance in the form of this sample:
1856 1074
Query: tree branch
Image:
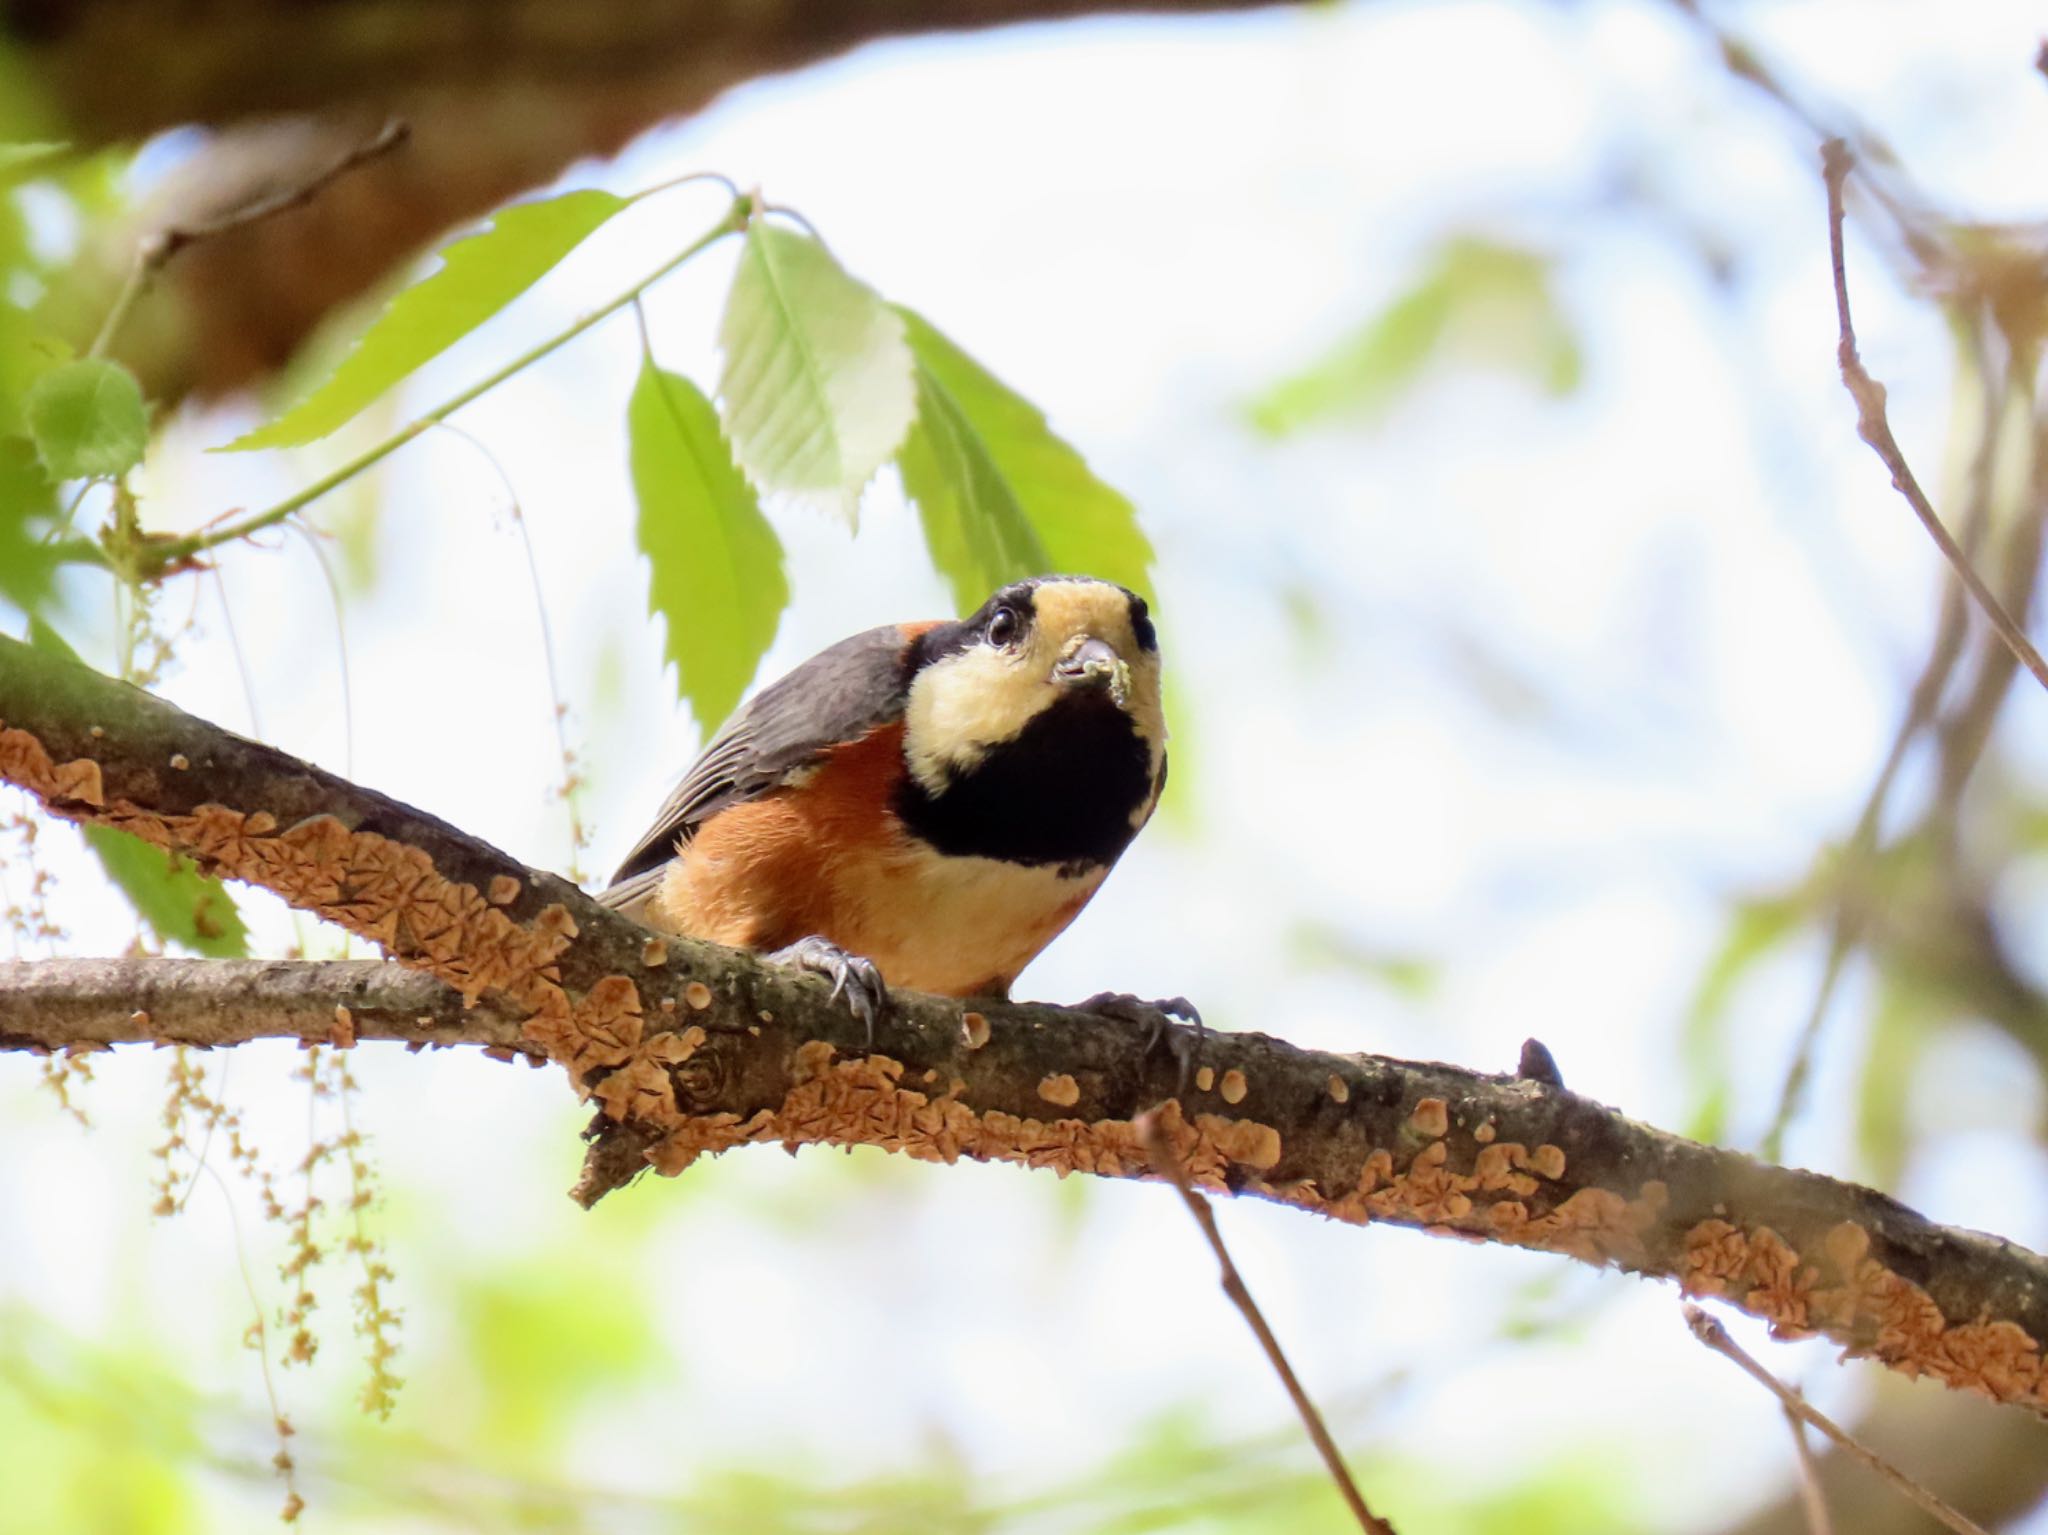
502 98
690 1048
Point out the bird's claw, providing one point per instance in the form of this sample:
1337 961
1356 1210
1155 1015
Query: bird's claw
853 976
1157 1019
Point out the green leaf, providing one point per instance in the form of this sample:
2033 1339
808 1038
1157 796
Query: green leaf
28 566
168 892
1081 525
87 420
977 533
180 904
1478 303
25 356
817 384
20 161
716 577
478 276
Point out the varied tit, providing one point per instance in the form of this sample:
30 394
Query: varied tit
931 801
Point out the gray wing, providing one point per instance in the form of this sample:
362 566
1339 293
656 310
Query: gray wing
838 695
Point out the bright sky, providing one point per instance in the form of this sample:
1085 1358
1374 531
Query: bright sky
1577 673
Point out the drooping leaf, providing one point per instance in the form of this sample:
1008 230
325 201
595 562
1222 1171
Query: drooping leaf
180 904
1478 303
1082 526
978 535
715 564
87 419
168 892
478 276
817 383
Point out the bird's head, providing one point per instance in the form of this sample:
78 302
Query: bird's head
1036 655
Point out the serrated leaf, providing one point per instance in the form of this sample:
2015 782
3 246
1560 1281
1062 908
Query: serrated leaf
1477 302
478 276
978 535
168 892
715 564
817 382
87 420
1082 525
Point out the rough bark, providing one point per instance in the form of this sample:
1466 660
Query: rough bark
689 1048
502 96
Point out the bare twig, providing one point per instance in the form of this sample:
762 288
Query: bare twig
1859 854
1812 1496
156 251
1160 1149
1874 428
1715 1337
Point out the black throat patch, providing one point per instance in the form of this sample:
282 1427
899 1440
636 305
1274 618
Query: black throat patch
1063 792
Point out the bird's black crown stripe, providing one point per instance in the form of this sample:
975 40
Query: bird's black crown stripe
1061 792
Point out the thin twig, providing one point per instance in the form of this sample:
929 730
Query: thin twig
1812 1496
1715 1337
1923 703
172 554
1160 1149
156 250
1873 427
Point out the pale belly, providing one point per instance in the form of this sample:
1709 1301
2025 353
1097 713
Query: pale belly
952 925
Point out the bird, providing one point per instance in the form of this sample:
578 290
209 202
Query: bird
929 802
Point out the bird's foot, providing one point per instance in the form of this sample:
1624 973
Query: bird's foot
853 976
1158 1019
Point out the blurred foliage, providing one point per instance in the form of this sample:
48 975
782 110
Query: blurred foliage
1477 303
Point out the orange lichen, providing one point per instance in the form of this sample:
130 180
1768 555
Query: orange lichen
1233 1087
1061 1090
1431 1119
1843 1291
1340 1090
654 953
864 1101
974 1030
391 892
698 995
1205 1078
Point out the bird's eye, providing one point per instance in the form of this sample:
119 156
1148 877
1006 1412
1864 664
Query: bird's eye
1002 626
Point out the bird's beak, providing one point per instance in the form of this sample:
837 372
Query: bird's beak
1095 663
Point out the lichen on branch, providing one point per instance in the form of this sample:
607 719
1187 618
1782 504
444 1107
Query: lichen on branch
688 1048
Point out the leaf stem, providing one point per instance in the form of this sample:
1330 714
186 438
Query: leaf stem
160 556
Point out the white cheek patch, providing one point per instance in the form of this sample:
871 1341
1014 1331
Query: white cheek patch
959 706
